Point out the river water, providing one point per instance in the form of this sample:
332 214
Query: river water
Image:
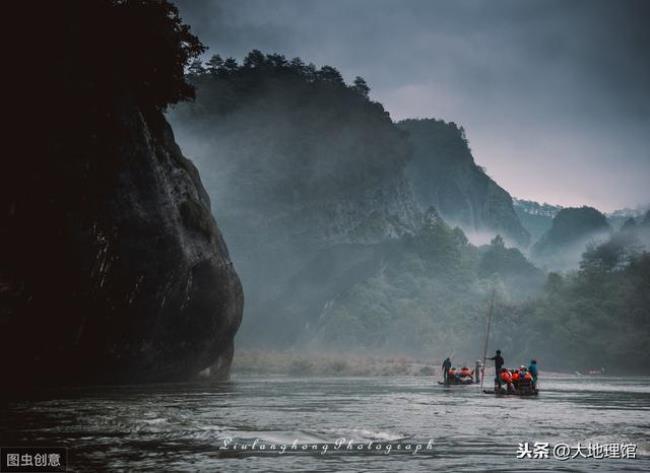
186 427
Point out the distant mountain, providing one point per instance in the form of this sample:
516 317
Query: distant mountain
444 175
572 229
535 217
618 217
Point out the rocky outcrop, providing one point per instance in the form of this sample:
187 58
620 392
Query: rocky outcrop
444 175
113 267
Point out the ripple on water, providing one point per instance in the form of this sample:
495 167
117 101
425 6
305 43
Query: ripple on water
181 426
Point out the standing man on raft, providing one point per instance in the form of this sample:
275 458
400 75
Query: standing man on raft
498 364
446 366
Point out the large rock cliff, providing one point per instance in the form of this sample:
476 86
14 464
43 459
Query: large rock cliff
112 267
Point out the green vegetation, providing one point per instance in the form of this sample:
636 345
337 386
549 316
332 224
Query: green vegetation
435 293
429 296
297 132
596 317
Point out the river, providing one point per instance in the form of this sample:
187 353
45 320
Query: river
339 424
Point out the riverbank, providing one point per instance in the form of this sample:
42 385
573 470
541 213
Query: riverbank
328 364
333 364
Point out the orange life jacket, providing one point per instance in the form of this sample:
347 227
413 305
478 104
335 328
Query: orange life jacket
506 377
515 376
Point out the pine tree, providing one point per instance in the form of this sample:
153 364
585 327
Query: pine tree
330 74
230 65
196 68
254 59
361 86
214 64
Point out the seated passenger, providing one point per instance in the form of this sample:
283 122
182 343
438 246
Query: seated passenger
515 377
506 378
525 381
466 375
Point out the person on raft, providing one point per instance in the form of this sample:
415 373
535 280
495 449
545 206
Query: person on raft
506 378
452 375
466 376
532 369
446 366
523 380
498 364
518 381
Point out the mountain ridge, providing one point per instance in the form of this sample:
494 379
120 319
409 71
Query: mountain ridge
445 175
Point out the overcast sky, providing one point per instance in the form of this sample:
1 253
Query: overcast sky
554 95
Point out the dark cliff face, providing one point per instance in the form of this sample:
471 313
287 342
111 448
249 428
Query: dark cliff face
116 270
444 175
112 268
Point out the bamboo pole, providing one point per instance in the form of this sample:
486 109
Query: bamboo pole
487 337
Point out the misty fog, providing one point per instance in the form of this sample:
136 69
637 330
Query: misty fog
342 223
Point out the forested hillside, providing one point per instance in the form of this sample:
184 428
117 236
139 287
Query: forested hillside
430 295
572 229
596 317
305 172
444 175
313 185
